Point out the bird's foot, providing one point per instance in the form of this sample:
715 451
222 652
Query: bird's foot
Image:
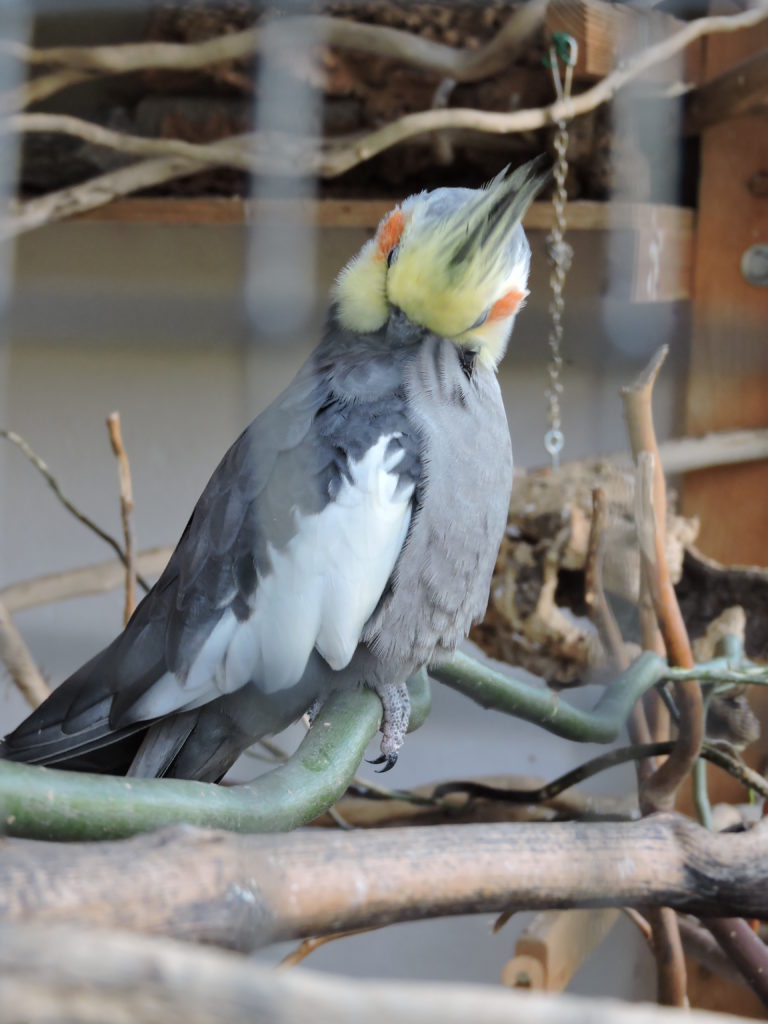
388 760
397 711
313 711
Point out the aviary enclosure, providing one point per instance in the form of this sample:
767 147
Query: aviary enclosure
577 812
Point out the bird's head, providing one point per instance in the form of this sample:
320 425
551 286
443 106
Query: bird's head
455 261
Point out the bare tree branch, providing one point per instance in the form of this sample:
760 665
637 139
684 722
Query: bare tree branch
659 791
379 40
50 973
549 791
745 949
91 579
671 974
245 891
53 483
284 155
14 654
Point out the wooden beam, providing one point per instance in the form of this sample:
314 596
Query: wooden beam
655 254
727 389
554 946
728 380
608 33
585 215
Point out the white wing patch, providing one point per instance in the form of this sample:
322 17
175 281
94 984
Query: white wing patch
364 534
321 590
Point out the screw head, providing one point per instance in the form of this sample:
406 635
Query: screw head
754 265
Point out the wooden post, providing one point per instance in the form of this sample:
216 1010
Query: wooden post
728 384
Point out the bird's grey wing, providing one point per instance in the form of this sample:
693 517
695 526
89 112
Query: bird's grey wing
211 571
270 479
287 552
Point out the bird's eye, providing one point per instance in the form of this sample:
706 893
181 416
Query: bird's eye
392 255
480 320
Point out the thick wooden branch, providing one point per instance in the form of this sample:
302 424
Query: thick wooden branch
246 891
61 973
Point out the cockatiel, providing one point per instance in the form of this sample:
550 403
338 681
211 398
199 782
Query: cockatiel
349 535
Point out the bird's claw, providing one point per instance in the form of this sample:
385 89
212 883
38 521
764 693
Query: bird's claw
388 760
313 711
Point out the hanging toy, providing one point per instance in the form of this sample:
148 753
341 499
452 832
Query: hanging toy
564 49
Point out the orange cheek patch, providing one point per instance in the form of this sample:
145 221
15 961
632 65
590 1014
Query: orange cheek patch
389 234
506 305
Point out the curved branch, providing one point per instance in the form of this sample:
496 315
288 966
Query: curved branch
246 891
101 806
318 773
78 63
492 689
378 40
658 792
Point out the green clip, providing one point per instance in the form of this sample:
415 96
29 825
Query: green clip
565 47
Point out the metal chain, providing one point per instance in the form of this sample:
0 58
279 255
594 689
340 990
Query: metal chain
559 252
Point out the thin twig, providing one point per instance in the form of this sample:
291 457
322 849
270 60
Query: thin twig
671 972
374 791
21 666
307 946
594 594
607 627
621 755
640 923
126 511
53 483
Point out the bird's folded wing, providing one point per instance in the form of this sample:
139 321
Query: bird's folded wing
315 577
289 550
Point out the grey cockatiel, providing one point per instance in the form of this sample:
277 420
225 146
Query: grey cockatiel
349 535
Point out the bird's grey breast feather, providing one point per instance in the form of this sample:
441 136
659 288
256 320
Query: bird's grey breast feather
441 582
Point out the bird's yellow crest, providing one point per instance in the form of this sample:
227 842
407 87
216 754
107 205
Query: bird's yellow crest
454 261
